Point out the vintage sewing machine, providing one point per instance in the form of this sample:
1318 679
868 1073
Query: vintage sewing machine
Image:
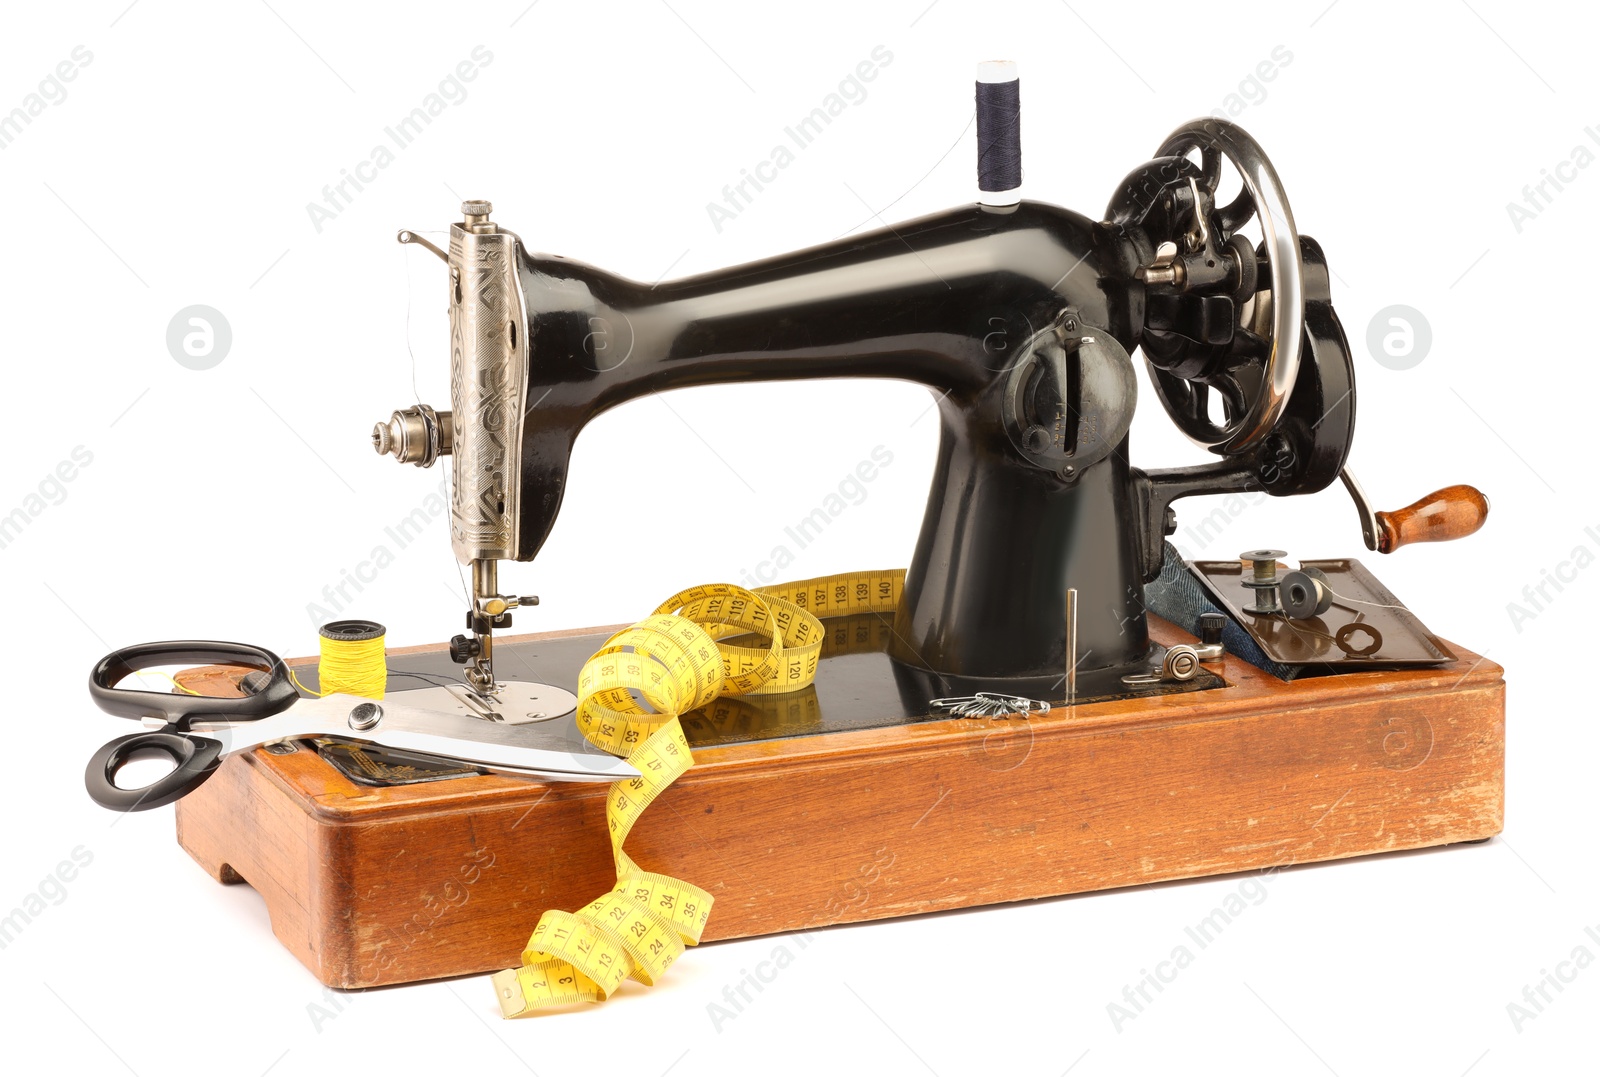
1185 719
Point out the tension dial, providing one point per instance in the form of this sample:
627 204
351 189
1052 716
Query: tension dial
1069 398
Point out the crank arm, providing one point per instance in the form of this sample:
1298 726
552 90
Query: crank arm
1442 516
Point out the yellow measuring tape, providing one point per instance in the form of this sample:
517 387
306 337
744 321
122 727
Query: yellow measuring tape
630 695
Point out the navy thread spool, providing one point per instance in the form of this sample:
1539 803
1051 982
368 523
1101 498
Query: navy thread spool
999 105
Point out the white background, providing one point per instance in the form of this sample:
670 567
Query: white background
219 503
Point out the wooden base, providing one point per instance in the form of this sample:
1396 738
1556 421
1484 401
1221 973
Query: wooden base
372 886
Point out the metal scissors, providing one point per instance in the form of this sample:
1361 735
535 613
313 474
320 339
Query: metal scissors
198 732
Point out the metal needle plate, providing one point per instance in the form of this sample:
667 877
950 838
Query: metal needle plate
514 702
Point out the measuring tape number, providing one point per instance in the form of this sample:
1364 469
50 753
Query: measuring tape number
702 643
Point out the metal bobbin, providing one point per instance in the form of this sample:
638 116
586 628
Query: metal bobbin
1262 579
1305 593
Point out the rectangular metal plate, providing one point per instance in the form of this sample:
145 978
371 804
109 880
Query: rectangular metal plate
369 764
1366 628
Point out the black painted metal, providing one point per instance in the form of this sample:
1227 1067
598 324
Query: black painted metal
954 301
857 687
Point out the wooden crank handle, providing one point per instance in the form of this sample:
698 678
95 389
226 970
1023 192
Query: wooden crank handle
1451 513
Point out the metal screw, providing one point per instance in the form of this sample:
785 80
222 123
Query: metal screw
365 715
285 748
476 207
1181 663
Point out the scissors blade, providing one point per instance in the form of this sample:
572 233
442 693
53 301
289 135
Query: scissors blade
553 751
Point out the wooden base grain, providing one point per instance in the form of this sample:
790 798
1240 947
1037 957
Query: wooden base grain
372 886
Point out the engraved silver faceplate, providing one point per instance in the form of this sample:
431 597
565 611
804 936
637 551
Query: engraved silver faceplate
488 386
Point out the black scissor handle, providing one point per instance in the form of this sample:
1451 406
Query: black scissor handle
196 758
177 708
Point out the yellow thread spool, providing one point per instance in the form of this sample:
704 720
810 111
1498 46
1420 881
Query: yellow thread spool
352 659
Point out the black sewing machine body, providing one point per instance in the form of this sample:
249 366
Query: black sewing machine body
1020 318
974 303
950 301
